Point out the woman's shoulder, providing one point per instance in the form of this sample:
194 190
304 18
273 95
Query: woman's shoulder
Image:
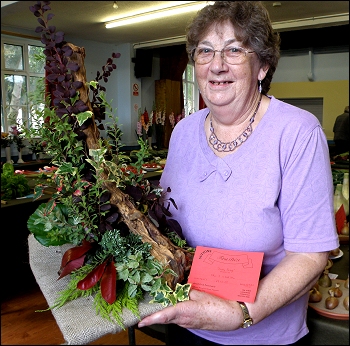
284 112
186 124
288 109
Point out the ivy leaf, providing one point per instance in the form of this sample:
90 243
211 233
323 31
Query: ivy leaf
83 116
132 289
182 292
146 278
65 168
146 288
123 274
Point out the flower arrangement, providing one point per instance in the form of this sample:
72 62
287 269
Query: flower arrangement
114 220
17 137
145 123
6 140
37 146
174 120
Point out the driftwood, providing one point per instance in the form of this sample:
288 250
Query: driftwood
177 259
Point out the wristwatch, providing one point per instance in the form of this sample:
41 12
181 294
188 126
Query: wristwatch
247 320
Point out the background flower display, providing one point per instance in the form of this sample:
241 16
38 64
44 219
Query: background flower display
175 119
17 137
144 126
6 140
37 146
160 123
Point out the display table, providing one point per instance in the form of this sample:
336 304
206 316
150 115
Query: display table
325 330
77 319
80 325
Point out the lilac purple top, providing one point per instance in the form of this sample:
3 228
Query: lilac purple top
274 193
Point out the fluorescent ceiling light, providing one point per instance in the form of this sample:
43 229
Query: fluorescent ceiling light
165 12
304 23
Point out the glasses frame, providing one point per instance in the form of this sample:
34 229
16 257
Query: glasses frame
223 57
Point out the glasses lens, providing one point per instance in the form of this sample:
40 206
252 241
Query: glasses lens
232 55
203 55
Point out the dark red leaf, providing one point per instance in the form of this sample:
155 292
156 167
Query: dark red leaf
173 202
106 196
166 211
109 283
73 66
105 207
75 252
112 218
40 20
92 278
77 84
72 265
39 29
175 226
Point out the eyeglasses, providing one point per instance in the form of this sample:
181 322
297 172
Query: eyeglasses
231 55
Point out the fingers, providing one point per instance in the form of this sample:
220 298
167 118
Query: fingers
161 317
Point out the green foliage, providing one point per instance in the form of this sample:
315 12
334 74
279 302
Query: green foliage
166 296
55 227
81 210
71 292
13 185
137 271
113 312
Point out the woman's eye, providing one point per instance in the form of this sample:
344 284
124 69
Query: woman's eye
205 51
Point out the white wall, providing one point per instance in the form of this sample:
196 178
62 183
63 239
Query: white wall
119 89
325 67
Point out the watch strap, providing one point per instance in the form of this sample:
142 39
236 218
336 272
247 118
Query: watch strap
247 320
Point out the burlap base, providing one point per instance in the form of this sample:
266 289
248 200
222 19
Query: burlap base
77 319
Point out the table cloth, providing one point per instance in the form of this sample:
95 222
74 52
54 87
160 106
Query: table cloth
77 319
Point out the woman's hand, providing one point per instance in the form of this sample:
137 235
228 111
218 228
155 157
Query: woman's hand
202 311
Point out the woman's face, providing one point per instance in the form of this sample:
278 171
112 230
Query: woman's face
221 83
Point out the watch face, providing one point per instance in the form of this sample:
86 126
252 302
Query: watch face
247 324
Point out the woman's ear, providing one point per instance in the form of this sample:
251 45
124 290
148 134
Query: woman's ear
262 72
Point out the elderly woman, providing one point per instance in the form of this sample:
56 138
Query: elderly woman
248 173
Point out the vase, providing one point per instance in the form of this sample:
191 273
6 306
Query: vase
20 160
339 200
345 188
8 155
150 142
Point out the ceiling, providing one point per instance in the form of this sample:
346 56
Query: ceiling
85 19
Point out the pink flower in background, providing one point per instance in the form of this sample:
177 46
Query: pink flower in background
139 128
14 131
172 119
160 118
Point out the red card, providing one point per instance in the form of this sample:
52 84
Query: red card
340 218
228 274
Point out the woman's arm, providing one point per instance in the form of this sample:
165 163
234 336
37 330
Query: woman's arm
290 279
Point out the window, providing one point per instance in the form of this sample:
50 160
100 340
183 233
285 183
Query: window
190 90
21 68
